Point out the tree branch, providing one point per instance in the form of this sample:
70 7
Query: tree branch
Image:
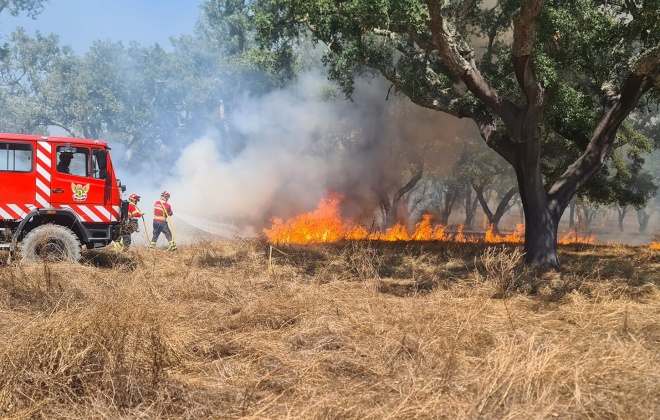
487 128
464 12
504 203
410 184
648 64
458 56
479 190
617 108
524 34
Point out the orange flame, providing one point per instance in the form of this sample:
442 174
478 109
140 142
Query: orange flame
325 225
516 237
322 225
572 237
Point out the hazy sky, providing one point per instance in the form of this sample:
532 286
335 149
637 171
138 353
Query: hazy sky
80 22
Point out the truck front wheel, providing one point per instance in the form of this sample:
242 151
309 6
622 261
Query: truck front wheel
51 243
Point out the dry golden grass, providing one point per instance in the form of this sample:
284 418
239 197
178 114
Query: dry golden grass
235 329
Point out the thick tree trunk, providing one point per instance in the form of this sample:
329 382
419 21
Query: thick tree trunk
541 220
385 207
392 216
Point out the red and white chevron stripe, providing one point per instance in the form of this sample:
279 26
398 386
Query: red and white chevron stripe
98 214
44 164
86 213
15 211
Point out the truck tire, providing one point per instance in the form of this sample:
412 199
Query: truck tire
51 243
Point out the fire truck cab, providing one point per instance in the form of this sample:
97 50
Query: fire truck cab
56 195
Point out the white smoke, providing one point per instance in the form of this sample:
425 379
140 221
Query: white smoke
275 166
290 157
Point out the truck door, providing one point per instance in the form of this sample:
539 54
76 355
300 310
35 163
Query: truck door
113 188
76 184
101 170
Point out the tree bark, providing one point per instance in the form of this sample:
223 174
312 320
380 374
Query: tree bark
390 211
643 218
470 207
541 219
571 216
622 214
447 205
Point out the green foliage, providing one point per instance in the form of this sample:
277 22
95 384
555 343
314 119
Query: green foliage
228 26
15 7
579 46
152 100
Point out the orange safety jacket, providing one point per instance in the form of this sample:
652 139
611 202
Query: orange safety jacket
159 214
133 212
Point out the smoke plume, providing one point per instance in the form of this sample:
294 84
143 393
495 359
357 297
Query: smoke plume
297 143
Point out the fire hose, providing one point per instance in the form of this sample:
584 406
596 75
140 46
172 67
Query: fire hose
146 232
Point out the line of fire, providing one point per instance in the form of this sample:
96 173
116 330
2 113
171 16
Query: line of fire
326 225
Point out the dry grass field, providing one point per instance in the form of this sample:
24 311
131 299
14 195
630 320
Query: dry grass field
235 329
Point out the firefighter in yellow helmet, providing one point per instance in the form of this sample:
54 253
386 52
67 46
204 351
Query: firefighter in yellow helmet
162 212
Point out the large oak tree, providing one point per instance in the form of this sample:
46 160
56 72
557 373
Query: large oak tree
515 67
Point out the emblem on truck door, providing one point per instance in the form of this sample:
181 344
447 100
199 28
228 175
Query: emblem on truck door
79 191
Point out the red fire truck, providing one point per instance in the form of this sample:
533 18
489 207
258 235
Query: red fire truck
57 194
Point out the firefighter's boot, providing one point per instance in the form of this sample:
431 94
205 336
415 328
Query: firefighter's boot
172 246
152 245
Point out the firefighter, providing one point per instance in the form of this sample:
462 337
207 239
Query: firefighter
162 213
65 162
134 214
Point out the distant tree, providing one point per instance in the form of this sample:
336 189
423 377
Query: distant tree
27 86
389 160
227 30
439 195
634 189
490 179
152 100
15 7
12 98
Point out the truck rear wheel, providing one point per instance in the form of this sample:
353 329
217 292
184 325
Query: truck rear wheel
51 243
